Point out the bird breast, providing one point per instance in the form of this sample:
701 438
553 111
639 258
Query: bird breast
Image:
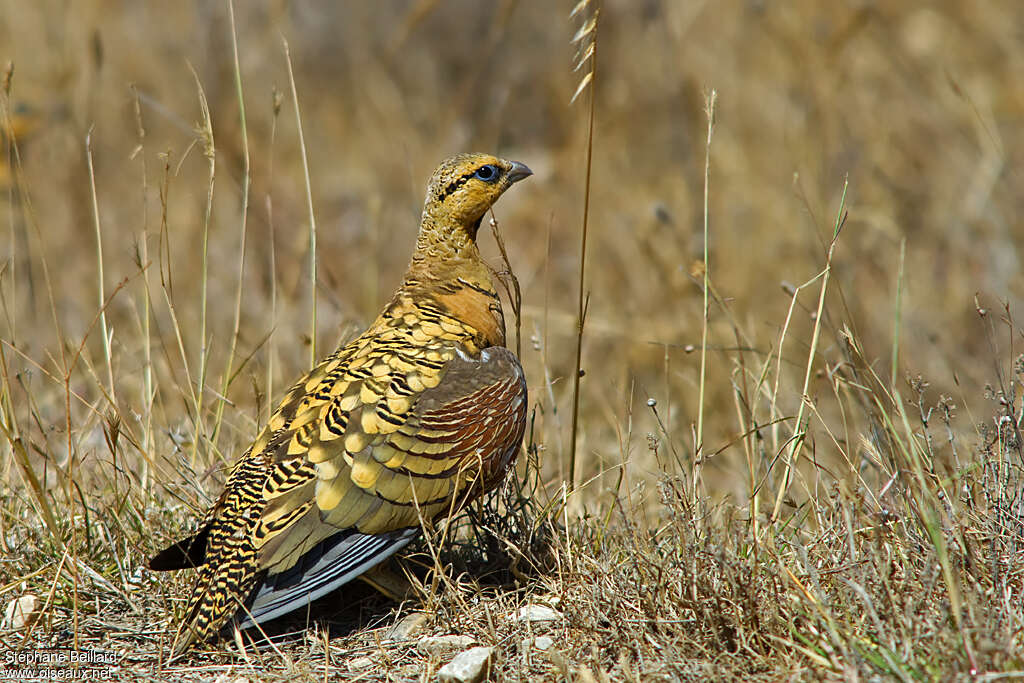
478 307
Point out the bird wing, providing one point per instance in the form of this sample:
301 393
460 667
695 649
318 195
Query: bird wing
407 435
331 563
356 509
403 425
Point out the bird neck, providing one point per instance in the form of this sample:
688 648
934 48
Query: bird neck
437 264
444 237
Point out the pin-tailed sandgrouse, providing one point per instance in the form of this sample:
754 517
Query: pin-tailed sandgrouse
417 416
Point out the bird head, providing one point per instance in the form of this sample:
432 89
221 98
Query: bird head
463 188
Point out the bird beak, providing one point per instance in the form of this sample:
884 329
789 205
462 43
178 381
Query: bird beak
518 172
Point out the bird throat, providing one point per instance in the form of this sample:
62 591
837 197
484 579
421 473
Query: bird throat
442 240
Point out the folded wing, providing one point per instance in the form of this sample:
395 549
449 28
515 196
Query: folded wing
455 441
331 563
375 441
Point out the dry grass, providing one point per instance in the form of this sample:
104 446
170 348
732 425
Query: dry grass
818 473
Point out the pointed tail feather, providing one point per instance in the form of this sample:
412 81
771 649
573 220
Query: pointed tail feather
187 553
220 591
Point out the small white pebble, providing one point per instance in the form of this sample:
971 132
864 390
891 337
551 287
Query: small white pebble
543 642
22 612
536 614
408 626
468 667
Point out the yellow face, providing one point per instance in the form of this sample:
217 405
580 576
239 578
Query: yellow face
465 186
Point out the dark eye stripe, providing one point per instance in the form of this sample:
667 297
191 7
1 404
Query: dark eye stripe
455 184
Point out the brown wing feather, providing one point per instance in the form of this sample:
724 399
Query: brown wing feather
455 438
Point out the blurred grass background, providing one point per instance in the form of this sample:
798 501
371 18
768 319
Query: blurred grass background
916 102
919 104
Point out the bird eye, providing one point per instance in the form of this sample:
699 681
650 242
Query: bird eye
488 173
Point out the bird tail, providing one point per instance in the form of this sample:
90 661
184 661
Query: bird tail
226 556
225 584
